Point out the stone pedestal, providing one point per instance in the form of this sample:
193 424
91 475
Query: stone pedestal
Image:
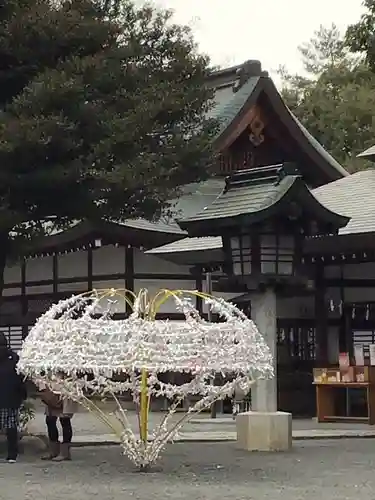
263 431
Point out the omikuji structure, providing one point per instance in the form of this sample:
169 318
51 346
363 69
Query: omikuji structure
281 229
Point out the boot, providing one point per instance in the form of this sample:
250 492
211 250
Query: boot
64 454
54 450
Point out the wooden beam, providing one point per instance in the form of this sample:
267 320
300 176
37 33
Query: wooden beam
321 318
55 273
89 268
129 274
240 124
25 329
106 277
199 287
349 283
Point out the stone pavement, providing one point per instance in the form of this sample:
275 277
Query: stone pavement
331 470
89 431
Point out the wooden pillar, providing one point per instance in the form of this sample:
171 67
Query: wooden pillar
24 308
321 323
345 332
199 288
129 274
89 268
55 274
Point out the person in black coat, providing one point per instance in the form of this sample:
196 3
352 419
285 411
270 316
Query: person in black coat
12 395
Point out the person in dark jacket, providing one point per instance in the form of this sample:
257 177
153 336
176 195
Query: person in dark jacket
12 395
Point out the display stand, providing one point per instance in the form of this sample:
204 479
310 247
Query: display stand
329 380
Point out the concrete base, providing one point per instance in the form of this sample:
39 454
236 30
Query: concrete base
259 431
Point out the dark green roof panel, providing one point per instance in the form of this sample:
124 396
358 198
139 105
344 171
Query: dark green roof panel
254 195
225 113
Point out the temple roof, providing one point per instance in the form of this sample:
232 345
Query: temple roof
354 197
190 251
240 86
254 195
368 154
254 83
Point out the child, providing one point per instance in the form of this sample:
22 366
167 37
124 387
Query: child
61 409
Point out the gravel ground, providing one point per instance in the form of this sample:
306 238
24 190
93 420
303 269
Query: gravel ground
338 469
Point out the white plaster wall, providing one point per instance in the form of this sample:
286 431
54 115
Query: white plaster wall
72 287
39 269
12 273
107 284
31 290
72 265
154 286
144 263
8 292
108 259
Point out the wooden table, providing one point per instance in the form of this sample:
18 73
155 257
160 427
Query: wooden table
325 401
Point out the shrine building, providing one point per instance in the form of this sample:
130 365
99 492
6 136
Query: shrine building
281 229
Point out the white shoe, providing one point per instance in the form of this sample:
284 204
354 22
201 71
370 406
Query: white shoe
11 460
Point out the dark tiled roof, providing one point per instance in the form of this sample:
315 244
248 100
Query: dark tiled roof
190 245
253 195
198 196
353 196
368 154
225 113
248 192
194 198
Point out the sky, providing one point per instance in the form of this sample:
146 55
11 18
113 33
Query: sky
233 31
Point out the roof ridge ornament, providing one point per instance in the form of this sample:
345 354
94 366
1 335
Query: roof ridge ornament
249 69
258 175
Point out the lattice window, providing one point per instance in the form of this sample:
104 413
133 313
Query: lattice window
364 338
277 254
241 254
296 343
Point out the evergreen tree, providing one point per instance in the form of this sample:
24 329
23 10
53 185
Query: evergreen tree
335 100
102 113
360 37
